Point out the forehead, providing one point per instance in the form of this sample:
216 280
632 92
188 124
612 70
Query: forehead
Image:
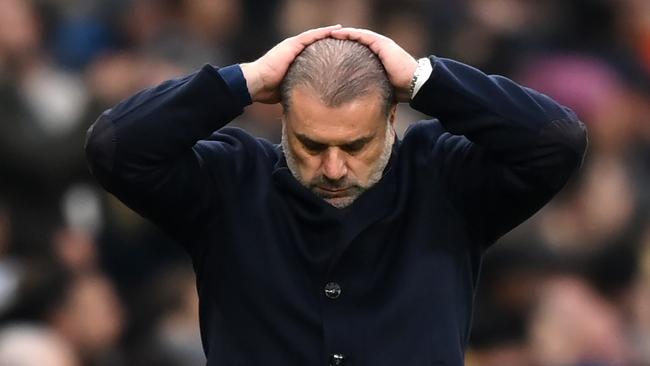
310 116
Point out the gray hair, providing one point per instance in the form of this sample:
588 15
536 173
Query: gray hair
338 71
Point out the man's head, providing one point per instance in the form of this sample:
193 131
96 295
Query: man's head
338 113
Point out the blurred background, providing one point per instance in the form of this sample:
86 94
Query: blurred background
84 281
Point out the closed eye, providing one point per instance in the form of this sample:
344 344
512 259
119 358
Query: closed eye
316 147
310 145
356 145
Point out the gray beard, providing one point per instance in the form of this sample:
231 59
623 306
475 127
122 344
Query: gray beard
377 170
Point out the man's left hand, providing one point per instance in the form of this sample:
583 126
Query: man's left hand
399 64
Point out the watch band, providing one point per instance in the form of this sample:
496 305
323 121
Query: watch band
420 76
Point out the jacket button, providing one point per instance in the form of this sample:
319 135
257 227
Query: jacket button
337 359
332 290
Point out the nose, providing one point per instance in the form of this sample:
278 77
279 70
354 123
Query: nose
334 166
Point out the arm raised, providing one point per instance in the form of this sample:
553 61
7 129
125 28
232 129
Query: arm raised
157 151
505 150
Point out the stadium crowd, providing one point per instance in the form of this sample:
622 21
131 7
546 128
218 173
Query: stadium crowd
84 281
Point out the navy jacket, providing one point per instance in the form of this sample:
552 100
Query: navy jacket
405 255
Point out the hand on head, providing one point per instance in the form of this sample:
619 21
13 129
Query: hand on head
264 75
399 64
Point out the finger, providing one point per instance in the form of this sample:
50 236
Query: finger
369 38
364 36
326 28
308 37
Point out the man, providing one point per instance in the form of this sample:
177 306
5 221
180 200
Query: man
343 245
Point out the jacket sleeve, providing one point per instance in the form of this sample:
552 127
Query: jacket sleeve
144 150
507 149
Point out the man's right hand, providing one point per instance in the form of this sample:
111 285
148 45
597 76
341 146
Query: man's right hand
264 75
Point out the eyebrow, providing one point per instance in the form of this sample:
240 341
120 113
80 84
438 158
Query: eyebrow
316 145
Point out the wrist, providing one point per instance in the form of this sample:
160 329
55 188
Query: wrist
253 80
403 93
420 76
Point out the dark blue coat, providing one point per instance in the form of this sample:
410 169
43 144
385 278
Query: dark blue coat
405 256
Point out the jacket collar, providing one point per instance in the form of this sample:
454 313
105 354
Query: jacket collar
344 224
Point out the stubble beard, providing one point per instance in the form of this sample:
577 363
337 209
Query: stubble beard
355 188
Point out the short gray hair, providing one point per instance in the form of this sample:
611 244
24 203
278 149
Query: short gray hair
338 71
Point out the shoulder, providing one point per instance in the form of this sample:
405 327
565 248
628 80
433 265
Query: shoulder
235 147
423 132
429 139
235 140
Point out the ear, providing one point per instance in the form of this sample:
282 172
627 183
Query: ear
285 130
392 113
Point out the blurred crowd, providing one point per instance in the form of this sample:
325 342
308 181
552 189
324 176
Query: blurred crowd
84 281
